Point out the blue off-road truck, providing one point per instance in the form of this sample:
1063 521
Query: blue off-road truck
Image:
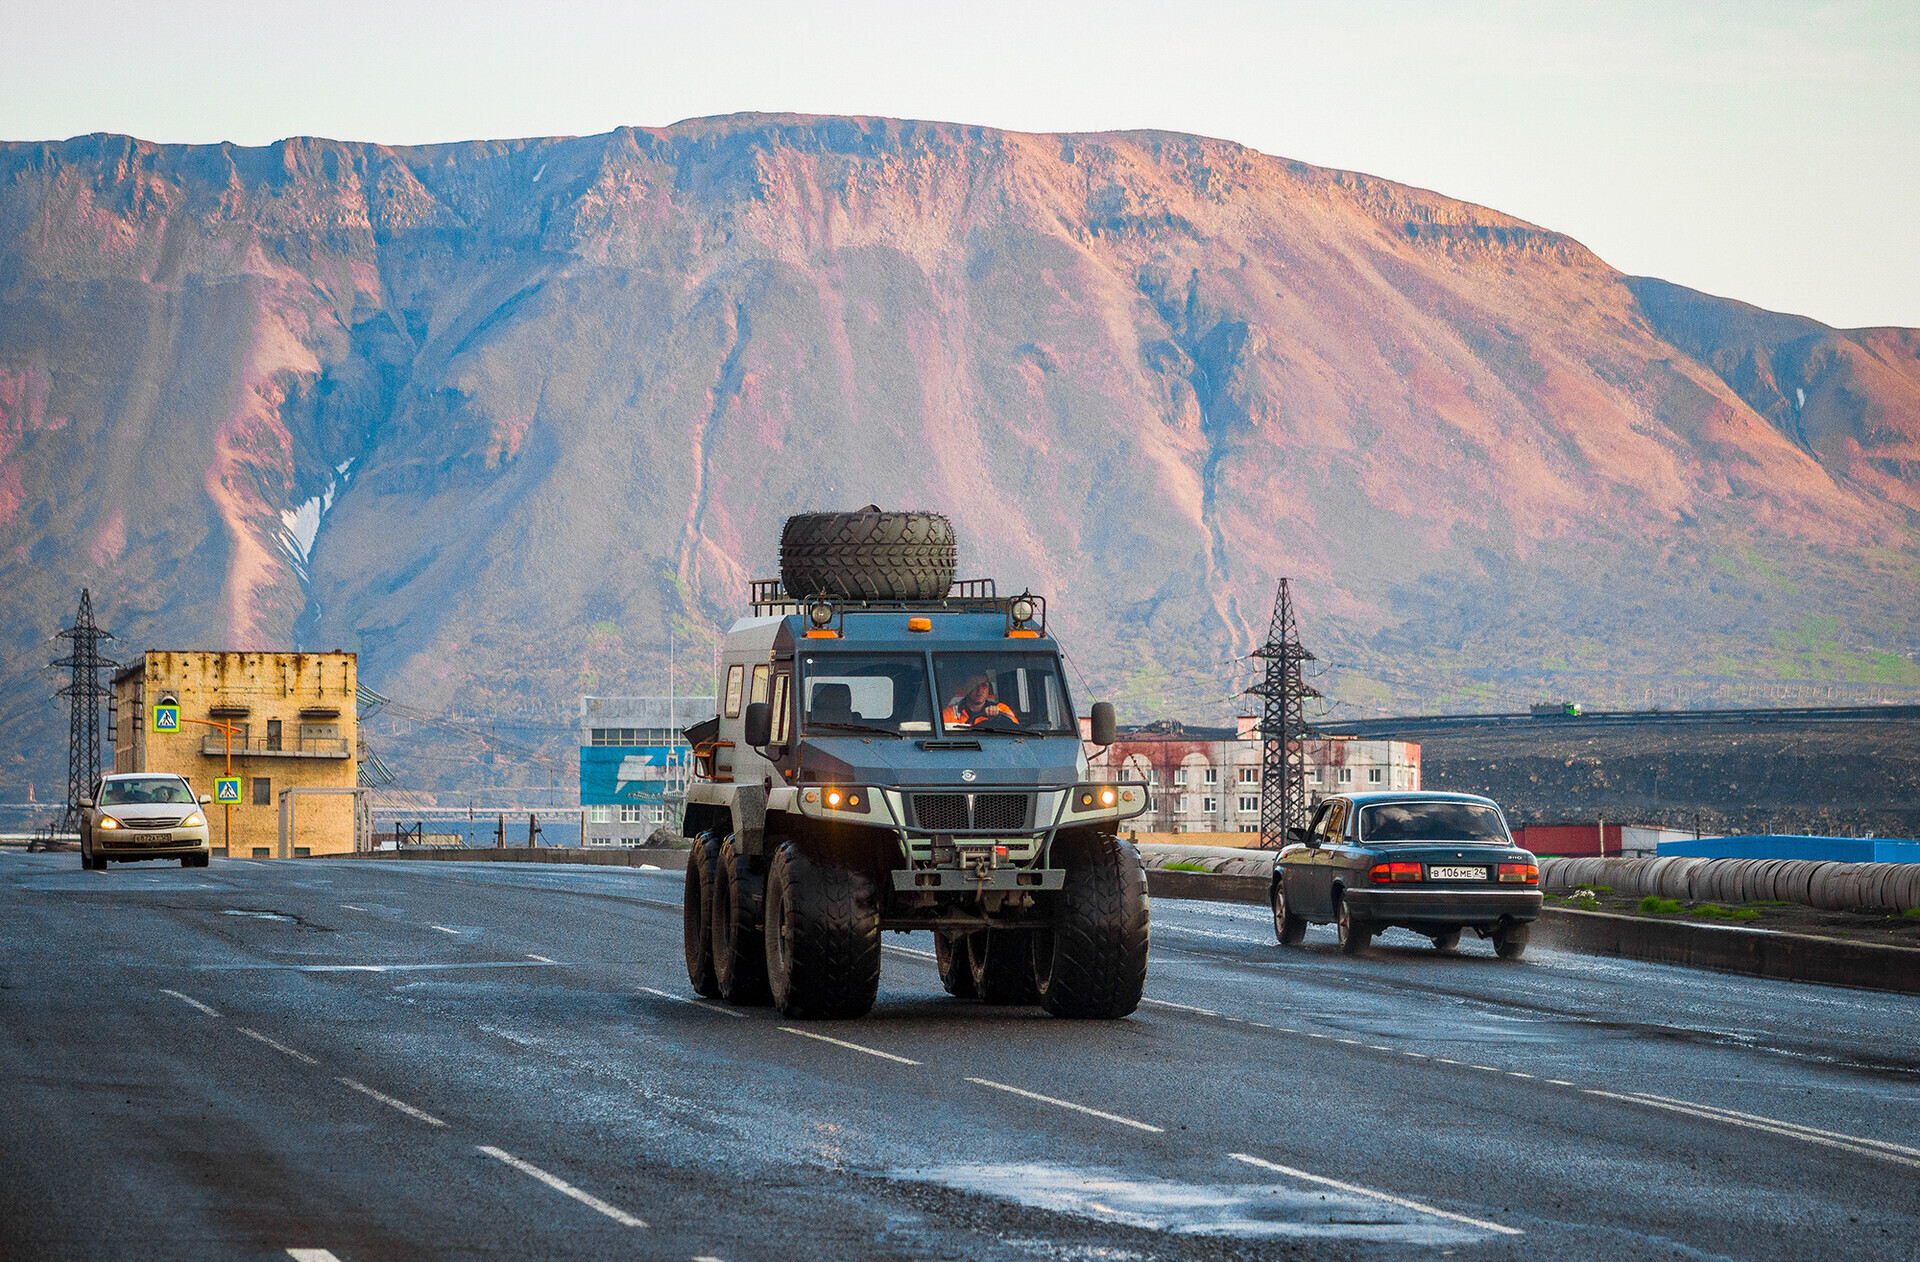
894 750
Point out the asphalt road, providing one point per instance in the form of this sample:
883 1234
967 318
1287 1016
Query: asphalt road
388 1060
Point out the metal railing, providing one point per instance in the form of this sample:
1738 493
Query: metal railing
215 746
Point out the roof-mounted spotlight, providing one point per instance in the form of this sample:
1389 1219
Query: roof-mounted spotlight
1022 610
820 613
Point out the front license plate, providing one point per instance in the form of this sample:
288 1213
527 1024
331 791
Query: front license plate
1456 874
156 839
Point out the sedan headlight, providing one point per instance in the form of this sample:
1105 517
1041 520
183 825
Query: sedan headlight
108 821
195 820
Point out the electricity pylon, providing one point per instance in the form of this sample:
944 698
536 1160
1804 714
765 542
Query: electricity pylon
1283 725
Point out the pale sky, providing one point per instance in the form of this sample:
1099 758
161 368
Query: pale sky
1762 151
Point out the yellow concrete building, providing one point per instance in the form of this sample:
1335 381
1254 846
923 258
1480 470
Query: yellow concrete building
293 743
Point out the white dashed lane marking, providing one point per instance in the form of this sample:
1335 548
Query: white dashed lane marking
701 1004
189 999
278 1047
402 1105
1068 1104
311 1255
558 1184
444 929
1388 1197
852 1047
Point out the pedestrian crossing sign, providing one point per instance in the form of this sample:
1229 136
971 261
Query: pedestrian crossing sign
226 789
166 718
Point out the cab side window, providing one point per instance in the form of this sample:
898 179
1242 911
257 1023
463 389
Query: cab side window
780 709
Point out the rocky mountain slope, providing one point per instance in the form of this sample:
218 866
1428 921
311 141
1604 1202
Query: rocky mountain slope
503 416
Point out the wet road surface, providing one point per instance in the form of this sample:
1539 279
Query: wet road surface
394 1059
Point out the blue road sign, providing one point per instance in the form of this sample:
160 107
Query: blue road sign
166 718
226 789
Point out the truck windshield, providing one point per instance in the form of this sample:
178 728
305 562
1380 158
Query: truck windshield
855 692
1432 821
1008 692
158 789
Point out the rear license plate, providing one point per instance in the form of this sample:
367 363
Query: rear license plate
1456 874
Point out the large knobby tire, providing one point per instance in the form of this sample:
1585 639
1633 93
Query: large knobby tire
1355 934
1093 962
867 555
696 920
739 954
1002 966
1289 927
955 962
823 937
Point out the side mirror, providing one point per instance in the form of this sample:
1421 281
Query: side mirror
759 724
1297 834
204 799
86 803
1102 724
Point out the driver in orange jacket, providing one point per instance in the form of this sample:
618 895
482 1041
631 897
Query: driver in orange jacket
975 704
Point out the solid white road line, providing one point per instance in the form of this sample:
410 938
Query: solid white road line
852 1047
363 968
543 959
189 999
402 1105
1795 1126
444 929
1388 1197
1068 1104
591 1201
278 1047
1769 1127
1181 1007
311 1255
701 1004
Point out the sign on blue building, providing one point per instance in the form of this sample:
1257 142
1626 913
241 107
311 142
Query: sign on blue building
611 775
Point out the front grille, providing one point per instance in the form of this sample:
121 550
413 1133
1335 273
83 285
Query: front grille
1000 810
152 823
991 812
941 812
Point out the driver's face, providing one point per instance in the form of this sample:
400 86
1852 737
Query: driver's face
978 692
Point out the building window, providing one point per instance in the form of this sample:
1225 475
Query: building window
1249 806
600 814
1180 775
659 814
1249 775
1153 776
634 736
1346 775
273 733
1185 806
599 841
1249 828
1211 775
262 791
1313 775
1209 805
629 812
1373 775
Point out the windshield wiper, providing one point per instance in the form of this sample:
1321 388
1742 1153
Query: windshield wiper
813 726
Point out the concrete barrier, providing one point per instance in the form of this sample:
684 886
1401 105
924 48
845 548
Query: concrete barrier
1753 952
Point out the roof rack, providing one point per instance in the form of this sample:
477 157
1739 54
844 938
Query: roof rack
973 595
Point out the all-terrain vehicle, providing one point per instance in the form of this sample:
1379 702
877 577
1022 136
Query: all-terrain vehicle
894 750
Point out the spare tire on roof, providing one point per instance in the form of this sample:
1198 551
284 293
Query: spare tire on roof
867 555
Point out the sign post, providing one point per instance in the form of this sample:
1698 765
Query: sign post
172 713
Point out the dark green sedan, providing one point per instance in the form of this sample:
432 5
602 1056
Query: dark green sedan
1435 863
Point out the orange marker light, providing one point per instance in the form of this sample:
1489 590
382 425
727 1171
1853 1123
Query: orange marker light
919 624
833 797
1106 797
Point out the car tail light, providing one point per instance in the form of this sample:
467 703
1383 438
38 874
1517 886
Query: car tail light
1520 873
1383 873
